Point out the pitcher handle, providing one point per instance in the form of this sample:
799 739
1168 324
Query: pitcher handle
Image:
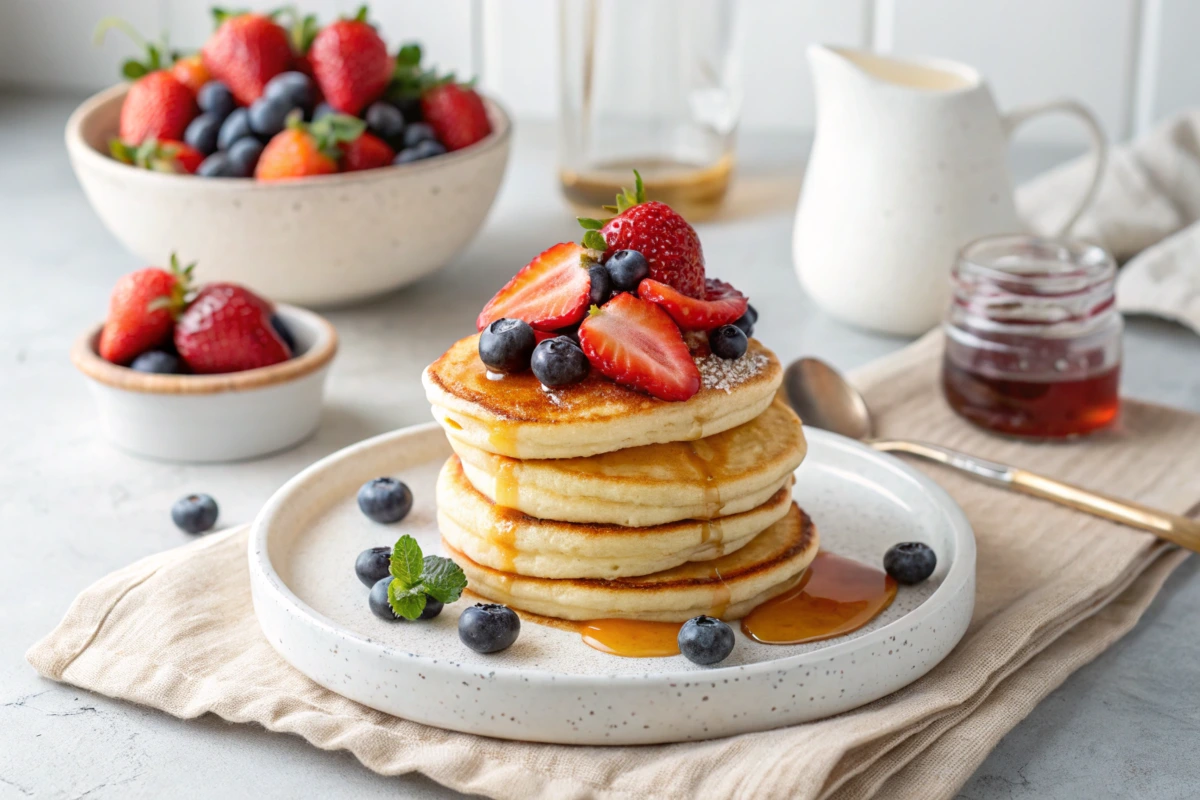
1014 118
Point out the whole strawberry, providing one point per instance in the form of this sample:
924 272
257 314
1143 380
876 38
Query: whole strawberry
245 52
456 114
227 328
351 63
301 150
191 72
366 152
141 311
158 105
655 230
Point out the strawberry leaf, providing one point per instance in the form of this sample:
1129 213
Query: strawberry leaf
594 240
409 55
590 224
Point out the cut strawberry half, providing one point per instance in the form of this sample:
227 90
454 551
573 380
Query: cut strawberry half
550 292
722 304
635 343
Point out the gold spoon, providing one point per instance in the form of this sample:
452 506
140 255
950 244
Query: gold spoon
824 399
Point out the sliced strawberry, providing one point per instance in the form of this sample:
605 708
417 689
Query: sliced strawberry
635 343
722 304
550 292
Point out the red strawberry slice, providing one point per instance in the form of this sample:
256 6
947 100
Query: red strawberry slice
722 304
635 343
549 293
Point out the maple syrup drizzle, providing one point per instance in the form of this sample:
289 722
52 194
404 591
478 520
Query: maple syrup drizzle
503 535
506 484
836 596
631 638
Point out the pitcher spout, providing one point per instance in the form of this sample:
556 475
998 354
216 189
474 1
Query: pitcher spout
832 63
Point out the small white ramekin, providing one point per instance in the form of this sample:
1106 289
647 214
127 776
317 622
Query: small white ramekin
228 417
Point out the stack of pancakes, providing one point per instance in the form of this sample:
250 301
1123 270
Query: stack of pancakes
597 501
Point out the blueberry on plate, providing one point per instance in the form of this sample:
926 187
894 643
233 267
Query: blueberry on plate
243 155
236 126
214 97
269 114
418 132
195 513
601 284
385 500
488 627
728 342
294 89
284 332
627 268
156 362
506 345
218 165
202 133
705 640
385 121
378 601
910 562
432 608
373 565
559 362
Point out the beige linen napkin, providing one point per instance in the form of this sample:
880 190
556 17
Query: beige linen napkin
1146 214
176 631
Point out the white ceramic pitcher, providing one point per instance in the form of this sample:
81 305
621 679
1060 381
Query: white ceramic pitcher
909 163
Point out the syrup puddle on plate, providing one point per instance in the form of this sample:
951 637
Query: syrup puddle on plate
835 596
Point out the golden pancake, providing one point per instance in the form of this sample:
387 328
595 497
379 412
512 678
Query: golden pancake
515 416
727 473
510 541
728 587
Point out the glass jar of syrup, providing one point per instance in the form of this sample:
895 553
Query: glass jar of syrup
1033 338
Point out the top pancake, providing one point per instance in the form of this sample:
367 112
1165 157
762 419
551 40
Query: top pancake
515 416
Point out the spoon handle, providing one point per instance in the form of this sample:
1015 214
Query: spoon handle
1171 527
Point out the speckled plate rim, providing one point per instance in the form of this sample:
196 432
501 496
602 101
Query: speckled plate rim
263 575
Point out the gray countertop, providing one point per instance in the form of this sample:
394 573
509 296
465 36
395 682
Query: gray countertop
73 509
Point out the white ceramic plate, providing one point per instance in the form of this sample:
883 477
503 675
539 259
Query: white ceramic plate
551 687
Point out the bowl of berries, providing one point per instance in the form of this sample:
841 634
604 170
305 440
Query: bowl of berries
306 162
213 372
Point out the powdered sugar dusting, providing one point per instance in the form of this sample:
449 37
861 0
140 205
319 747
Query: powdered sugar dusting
726 375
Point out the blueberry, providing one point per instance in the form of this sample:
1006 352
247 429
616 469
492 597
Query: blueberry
506 345
385 500
433 607
752 313
745 323
488 627
268 115
202 133
728 342
378 600
559 362
571 333
323 110
601 284
284 332
214 97
705 640
156 362
419 152
418 132
236 126
243 155
218 165
372 565
627 268
292 88
385 121
195 513
910 562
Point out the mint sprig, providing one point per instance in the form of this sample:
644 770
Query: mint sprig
415 578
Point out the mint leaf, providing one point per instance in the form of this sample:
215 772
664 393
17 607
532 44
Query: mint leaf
407 565
443 579
594 240
408 603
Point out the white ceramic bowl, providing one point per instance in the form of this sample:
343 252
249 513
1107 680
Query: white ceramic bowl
214 417
324 240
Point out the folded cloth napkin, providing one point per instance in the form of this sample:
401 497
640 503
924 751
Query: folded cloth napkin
176 631
1146 214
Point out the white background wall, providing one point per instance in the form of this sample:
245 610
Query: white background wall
1131 61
